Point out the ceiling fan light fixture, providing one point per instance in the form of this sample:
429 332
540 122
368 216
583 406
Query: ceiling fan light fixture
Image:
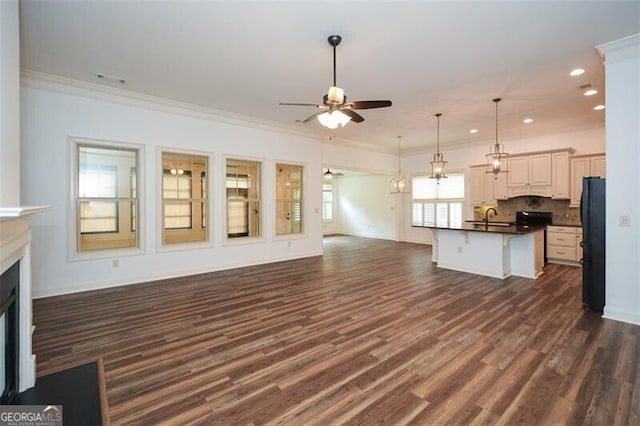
497 156
438 163
333 119
335 95
328 174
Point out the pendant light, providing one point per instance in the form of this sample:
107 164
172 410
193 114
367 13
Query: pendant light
438 163
496 156
398 184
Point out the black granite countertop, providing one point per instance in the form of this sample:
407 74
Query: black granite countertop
495 229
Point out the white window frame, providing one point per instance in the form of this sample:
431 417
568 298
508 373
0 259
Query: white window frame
303 204
264 166
440 206
159 172
73 252
329 204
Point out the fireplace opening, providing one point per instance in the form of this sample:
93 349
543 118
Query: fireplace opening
9 332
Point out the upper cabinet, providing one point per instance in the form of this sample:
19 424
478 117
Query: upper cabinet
481 188
530 175
585 166
560 182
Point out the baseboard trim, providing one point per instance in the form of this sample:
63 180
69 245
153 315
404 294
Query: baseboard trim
623 315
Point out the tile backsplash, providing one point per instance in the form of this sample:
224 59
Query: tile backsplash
562 213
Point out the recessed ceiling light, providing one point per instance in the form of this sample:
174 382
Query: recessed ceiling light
598 107
590 92
527 120
576 72
473 131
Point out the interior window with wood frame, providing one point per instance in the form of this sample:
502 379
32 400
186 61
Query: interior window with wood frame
243 198
184 198
288 199
106 201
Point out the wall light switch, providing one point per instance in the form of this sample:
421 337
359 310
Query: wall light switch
625 221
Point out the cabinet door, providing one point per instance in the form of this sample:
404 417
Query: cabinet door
580 168
518 171
540 169
500 186
476 187
489 188
560 187
598 166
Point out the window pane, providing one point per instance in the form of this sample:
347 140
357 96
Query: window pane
105 197
327 202
416 215
243 198
425 188
455 214
184 178
288 199
442 214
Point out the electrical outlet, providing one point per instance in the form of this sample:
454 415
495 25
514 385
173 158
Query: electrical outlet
459 249
625 221
115 263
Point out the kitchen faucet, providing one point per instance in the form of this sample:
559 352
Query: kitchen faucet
486 215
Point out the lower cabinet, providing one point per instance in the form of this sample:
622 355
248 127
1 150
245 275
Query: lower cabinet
563 244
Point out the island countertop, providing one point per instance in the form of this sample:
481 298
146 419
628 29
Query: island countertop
495 229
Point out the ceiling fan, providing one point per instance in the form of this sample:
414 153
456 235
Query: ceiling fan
329 174
335 110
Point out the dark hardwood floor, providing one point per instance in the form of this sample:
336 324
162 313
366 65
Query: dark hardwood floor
369 333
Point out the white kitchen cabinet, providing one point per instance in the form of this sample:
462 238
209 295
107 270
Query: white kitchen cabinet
481 186
560 186
530 175
500 186
598 165
585 166
562 244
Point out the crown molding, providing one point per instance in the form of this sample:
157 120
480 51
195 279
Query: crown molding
621 49
38 80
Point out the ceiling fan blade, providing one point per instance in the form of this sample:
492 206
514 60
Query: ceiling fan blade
369 104
355 117
299 104
311 117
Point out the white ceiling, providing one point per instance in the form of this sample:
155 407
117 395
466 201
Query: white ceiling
427 57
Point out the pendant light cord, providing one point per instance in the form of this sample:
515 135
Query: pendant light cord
438 139
496 100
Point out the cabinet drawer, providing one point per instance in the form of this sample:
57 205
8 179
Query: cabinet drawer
563 253
563 229
558 239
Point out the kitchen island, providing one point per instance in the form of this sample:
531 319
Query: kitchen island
497 251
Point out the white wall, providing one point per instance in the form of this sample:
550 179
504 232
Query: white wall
622 297
366 208
50 116
584 141
9 105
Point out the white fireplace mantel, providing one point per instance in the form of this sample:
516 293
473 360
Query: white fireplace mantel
15 245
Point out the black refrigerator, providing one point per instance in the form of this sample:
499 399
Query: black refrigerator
592 214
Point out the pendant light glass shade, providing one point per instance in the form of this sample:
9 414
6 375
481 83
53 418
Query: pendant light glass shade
497 157
438 164
399 184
